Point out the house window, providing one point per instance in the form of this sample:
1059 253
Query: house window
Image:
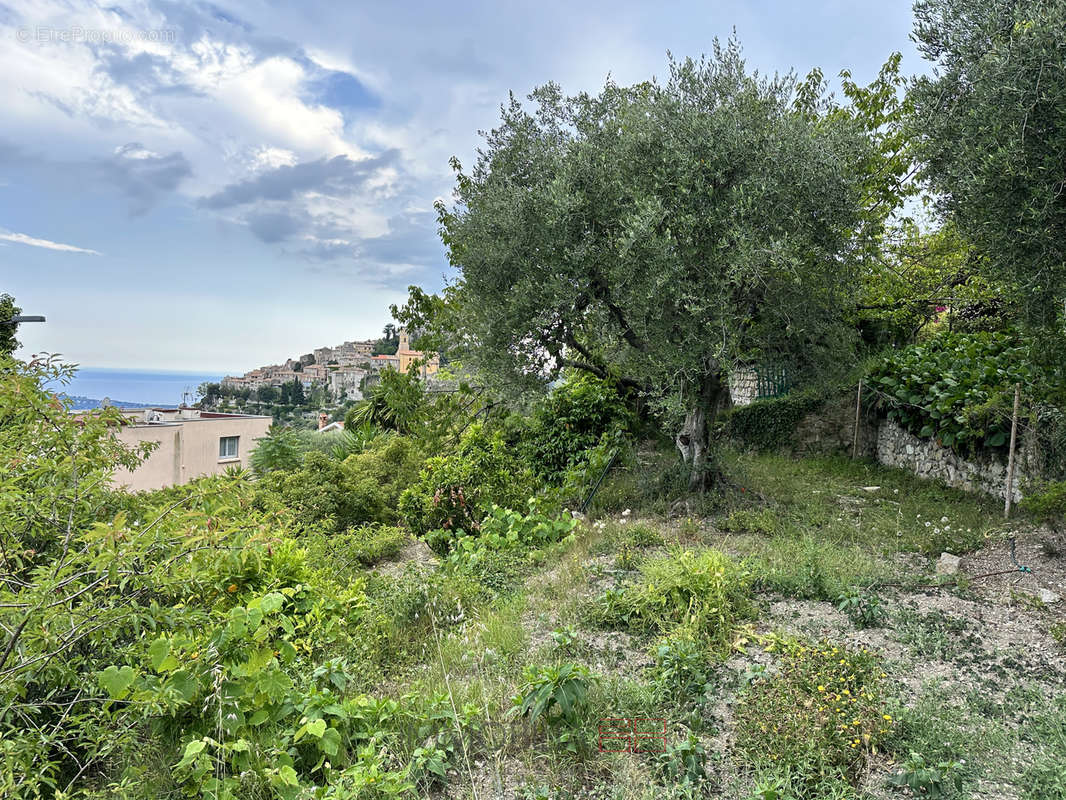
227 447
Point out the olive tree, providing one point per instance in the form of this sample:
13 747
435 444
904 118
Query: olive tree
659 234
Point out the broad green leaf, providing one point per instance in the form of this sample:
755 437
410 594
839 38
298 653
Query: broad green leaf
116 681
192 749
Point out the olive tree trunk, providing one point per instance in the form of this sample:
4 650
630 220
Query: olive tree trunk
693 439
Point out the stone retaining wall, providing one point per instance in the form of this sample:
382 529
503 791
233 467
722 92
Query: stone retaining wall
897 447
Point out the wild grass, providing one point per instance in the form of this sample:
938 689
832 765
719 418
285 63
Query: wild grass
886 510
808 530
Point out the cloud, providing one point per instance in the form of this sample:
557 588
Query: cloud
339 175
22 238
276 226
143 175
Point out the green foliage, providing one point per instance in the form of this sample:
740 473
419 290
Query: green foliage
958 389
367 545
821 715
926 280
280 449
705 589
396 403
862 607
762 522
455 491
558 694
506 547
989 126
682 674
1048 505
934 781
364 488
768 424
570 421
683 764
8 333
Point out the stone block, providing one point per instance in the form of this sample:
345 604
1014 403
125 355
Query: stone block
948 564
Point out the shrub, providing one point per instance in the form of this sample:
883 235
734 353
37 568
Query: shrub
822 715
505 548
280 449
956 388
359 490
571 420
371 543
1049 505
454 492
704 588
768 424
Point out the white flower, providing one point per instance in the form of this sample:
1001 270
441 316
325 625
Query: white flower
943 519
626 513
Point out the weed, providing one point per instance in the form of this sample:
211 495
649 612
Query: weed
934 635
683 764
932 781
1058 633
1045 778
642 535
762 522
563 689
810 568
943 731
863 608
822 715
705 588
681 674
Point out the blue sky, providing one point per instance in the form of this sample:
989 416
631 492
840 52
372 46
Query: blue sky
217 186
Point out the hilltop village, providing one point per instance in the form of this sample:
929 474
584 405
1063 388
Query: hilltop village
344 372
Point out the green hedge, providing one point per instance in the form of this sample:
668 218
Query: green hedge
769 424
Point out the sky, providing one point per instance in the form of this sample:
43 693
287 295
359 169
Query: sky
214 187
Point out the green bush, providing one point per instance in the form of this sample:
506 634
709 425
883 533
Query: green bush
361 489
368 544
1049 505
955 388
704 588
571 420
506 547
454 492
768 424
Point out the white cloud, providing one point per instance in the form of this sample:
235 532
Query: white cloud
22 238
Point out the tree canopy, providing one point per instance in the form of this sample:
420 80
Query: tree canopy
660 233
991 128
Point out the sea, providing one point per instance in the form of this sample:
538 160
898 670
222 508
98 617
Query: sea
134 387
